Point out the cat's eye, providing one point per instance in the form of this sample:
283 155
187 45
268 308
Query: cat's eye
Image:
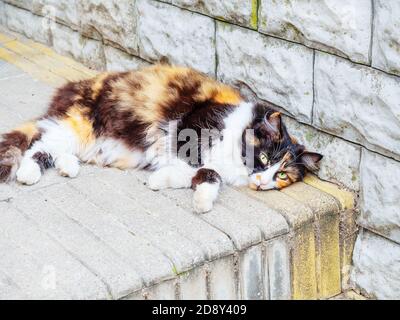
282 175
263 158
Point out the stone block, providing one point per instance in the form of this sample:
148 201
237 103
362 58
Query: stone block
333 26
386 39
357 103
87 51
251 273
380 195
64 12
113 21
242 12
180 36
118 60
277 269
193 284
376 266
278 71
222 279
304 280
30 25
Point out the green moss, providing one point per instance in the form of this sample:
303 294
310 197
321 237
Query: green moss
254 14
224 25
263 24
175 270
289 28
221 18
309 137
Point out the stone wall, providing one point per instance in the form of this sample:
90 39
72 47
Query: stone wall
332 66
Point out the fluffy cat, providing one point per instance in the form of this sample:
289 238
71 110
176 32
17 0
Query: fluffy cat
191 130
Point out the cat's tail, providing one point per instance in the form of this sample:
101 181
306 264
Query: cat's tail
13 146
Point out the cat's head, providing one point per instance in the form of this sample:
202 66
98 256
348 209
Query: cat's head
277 160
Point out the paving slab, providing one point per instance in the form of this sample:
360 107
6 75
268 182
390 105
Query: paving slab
55 266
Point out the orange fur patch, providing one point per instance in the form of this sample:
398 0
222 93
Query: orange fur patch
147 100
282 183
29 129
80 124
98 83
227 95
149 92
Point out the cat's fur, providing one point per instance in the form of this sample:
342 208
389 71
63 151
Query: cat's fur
142 119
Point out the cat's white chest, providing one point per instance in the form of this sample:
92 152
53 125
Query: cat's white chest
226 155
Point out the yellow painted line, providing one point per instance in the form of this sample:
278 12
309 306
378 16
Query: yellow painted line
42 62
345 198
19 48
45 61
30 68
68 61
4 38
48 52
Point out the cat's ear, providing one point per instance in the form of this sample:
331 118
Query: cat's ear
311 160
272 125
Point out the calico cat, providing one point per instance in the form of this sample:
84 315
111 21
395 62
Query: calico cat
191 130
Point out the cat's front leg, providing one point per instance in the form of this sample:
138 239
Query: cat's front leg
206 184
176 176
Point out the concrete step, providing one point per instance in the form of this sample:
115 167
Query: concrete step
105 235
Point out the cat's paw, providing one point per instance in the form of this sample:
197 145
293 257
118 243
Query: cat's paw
29 172
204 197
158 180
170 177
67 165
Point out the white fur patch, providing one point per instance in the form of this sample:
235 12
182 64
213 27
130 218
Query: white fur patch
29 172
67 165
265 179
108 151
176 176
225 156
58 138
204 196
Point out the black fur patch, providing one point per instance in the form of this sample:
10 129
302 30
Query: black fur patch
44 160
14 144
205 175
